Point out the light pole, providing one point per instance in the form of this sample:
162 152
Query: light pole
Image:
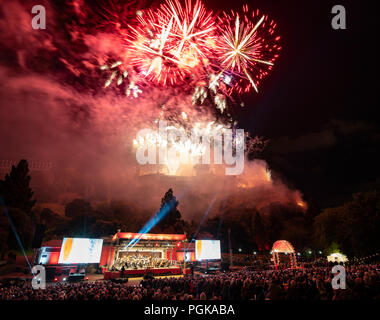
230 247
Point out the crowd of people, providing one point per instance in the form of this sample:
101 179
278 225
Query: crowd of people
313 283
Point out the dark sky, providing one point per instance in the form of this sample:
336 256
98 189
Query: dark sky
318 106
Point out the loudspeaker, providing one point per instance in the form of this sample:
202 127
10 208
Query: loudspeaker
50 273
76 277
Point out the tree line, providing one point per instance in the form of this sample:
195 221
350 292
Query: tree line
351 227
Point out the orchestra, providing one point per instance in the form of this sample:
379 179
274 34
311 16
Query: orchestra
139 261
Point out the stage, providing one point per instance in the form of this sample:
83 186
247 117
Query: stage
138 253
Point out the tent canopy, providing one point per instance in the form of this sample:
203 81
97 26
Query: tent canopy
337 257
282 246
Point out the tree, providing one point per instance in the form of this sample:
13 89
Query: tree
169 217
353 226
333 248
23 225
4 232
326 227
296 231
15 189
259 232
81 214
77 208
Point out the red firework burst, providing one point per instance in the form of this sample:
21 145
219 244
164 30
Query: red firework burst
174 42
247 47
185 44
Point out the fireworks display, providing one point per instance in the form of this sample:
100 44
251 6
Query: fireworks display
189 46
168 45
211 58
188 149
103 71
247 48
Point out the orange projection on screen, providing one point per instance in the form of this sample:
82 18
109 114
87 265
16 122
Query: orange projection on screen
67 248
199 248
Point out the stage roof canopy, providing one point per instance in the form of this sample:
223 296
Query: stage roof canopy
149 236
282 246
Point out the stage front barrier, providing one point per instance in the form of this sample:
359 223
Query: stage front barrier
141 272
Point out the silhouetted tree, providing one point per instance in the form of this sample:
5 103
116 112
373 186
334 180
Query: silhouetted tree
23 225
353 226
259 232
296 231
4 232
81 214
169 217
332 248
15 188
77 207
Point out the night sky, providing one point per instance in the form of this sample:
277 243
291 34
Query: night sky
318 107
